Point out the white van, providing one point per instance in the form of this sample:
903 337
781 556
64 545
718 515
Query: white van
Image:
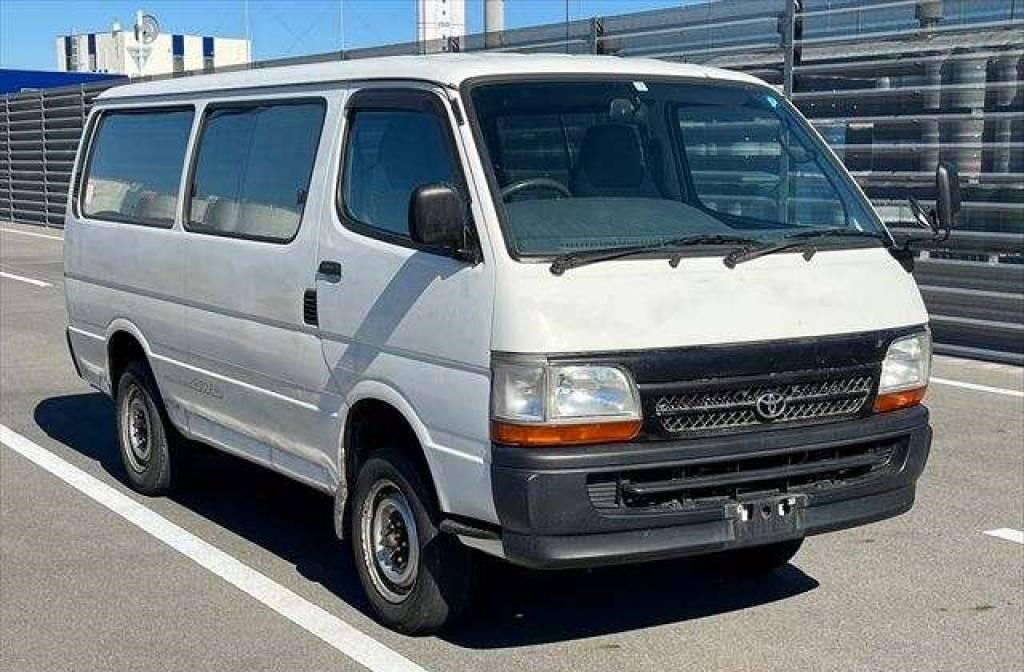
567 311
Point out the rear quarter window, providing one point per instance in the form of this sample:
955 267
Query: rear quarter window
135 165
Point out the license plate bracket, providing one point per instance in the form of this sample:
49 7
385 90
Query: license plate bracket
780 516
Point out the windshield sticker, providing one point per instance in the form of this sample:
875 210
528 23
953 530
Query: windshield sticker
640 86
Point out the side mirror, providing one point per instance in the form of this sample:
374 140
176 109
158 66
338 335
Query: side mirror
437 217
938 220
947 198
921 216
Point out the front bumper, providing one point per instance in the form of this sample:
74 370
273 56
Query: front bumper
551 516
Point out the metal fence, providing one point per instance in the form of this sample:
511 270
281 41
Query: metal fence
893 85
39 134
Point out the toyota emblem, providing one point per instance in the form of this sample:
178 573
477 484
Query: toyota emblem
770 405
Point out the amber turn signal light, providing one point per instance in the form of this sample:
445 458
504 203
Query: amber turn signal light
897 400
563 435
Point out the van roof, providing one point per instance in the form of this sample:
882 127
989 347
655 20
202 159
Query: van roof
445 69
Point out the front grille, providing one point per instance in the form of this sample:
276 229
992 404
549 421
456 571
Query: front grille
707 481
751 405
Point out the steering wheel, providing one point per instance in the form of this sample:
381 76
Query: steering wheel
510 190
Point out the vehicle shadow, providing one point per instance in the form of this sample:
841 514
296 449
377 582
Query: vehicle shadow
291 520
527 608
519 607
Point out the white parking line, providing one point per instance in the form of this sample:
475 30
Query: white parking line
22 278
358 646
978 388
30 233
1008 534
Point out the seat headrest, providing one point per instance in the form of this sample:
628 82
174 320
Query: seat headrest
612 157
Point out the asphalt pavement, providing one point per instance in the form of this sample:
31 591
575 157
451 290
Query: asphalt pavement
241 570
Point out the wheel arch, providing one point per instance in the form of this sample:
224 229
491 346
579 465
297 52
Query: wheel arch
376 412
123 340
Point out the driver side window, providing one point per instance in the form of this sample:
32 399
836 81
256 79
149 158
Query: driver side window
389 153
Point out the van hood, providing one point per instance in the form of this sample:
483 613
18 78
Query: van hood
636 304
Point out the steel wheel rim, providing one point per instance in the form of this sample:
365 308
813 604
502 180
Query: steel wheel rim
136 430
390 541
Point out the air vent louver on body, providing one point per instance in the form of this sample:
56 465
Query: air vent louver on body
309 313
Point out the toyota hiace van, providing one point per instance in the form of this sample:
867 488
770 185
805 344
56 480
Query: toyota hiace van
565 311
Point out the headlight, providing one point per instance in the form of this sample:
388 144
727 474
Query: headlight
539 403
906 363
590 392
905 371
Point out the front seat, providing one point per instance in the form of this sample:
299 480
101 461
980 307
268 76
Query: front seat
612 164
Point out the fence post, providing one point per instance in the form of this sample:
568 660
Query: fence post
7 157
594 37
46 163
790 50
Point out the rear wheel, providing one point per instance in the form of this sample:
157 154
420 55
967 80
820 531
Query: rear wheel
756 559
417 579
147 440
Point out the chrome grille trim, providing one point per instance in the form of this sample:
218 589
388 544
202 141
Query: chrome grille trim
715 409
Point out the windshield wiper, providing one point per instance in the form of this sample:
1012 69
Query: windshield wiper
797 240
564 262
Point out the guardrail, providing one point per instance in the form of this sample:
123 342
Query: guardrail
977 307
893 85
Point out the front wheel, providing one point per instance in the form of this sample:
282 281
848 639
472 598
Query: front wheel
417 579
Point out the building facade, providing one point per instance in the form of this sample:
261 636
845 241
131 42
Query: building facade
438 22
128 52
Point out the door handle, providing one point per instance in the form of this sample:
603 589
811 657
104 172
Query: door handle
329 271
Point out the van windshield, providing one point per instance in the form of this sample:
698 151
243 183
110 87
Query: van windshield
599 164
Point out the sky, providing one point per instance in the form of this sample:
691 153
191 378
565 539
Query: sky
278 28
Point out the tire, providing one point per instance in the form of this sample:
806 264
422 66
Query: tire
756 559
416 589
148 442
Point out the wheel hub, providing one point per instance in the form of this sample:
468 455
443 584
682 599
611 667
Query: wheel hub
137 429
390 541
